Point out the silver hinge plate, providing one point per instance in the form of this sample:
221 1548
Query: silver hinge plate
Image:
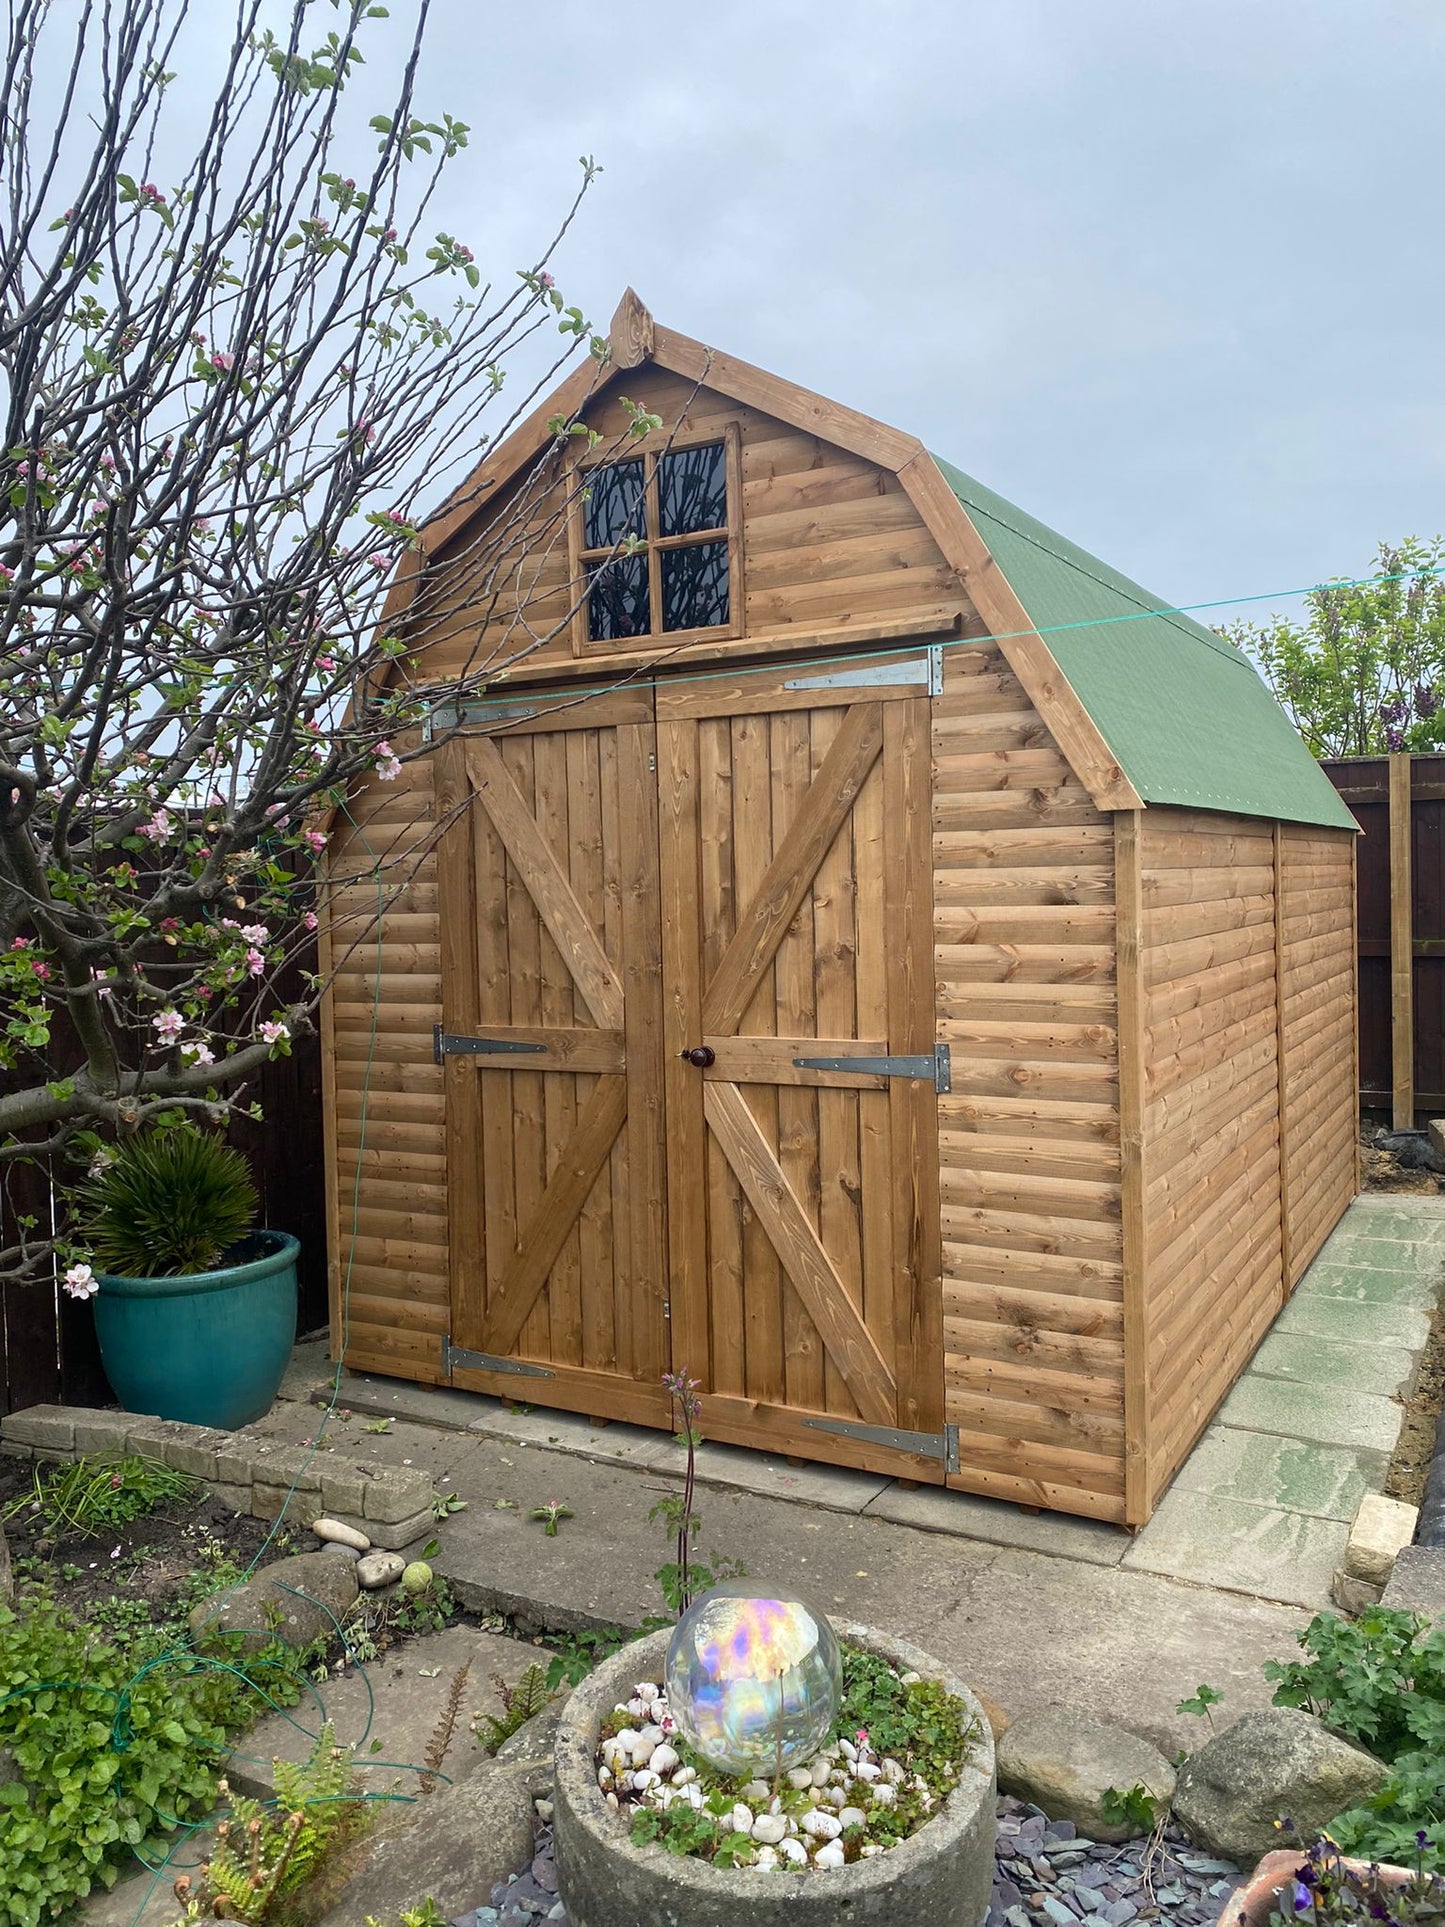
926 669
457 1357
936 1066
925 1445
446 1043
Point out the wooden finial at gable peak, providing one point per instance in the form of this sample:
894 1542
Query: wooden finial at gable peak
631 332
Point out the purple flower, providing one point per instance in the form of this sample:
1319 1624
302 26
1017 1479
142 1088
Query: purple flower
1393 711
1394 739
1426 701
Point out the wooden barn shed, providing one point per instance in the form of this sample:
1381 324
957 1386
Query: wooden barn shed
862 950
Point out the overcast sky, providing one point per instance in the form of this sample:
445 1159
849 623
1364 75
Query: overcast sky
1168 274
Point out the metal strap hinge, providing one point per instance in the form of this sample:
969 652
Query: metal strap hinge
935 1066
446 1043
926 669
457 1357
925 1445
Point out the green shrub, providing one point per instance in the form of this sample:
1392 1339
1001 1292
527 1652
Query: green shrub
169 1203
1380 1681
115 1742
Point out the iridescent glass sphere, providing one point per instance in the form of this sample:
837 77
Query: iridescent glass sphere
751 1682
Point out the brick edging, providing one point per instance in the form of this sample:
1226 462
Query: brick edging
264 1477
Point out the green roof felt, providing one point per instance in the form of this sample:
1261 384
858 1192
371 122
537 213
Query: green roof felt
1186 715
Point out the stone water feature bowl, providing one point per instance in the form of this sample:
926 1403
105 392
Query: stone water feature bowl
942 1874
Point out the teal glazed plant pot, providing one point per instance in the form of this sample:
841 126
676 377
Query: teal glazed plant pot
209 1347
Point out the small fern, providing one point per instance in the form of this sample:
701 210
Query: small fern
520 1703
169 1203
441 1738
265 1854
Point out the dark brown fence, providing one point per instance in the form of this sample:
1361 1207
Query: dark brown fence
1399 802
47 1342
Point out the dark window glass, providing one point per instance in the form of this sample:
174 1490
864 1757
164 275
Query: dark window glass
692 490
614 505
695 585
617 604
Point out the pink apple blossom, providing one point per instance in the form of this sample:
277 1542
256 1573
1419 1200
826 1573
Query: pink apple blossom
80 1282
168 1025
315 841
255 962
273 1032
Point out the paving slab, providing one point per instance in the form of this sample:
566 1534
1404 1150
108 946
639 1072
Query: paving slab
963 1516
1028 1627
1409 1283
145 1898
1334 1364
1355 1320
1214 1541
1289 1475
398 1700
1259 1404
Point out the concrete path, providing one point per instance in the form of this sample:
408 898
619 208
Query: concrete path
1032 1607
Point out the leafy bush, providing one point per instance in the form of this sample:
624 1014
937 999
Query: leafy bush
114 1745
1380 1681
1327 1893
169 1203
102 1491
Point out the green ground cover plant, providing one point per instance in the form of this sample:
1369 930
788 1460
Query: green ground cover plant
117 1738
101 1491
1379 1680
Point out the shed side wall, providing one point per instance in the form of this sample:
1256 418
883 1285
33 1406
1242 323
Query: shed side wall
1029 1135
1211 1151
387 1158
1317 1029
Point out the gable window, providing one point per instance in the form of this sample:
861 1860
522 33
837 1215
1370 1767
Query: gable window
656 543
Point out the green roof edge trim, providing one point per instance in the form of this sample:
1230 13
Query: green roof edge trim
1187 717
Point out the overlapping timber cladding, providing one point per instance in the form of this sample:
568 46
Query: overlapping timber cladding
858 948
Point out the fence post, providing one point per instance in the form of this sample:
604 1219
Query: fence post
1402 947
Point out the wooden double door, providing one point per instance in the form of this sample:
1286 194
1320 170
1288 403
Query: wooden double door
654 903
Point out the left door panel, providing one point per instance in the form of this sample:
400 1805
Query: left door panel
552 1009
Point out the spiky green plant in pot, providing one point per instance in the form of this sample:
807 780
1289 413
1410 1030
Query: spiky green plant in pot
169 1203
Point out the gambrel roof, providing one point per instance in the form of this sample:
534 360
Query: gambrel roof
1147 705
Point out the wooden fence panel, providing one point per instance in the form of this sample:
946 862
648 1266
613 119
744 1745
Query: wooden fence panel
1363 783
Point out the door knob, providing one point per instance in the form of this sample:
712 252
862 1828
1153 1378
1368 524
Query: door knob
702 1055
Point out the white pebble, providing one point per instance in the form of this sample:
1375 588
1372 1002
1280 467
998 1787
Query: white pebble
756 1793
766 1860
333 1532
822 1826
684 1775
852 1817
793 1849
604 1777
642 1750
821 1770
866 1770
846 1747
894 1772
642 1780
647 1692
742 1818
829 1855
612 1801
626 1738
871 1851
800 1777
769 1829
665 1759
838 1776
909 1679
884 1794
836 1797
694 1795
636 1708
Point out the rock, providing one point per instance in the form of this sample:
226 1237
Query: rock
535 1741
337 1534
999 1721
1382 1529
1417 1585
1271 1765
376 1569
455 1844
296 1600
1353 1595
769 1829
1064 1762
